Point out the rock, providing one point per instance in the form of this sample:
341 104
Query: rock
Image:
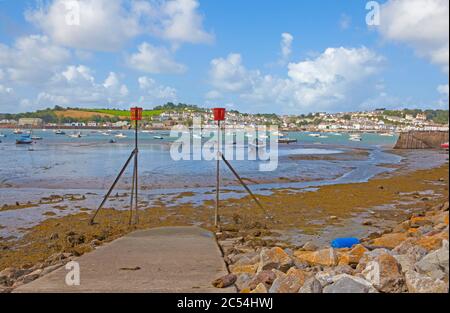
390 241
325 257
243 281
225 281
384 273
325 277
418 283
54 236
261 288
411 249
370 256
274 258
11 273
50 269
265 277
30 277
402 227
406 262
435 264
420 221
74 239
433 242
333 217
348 284
309 246
353 256
311 285
248 269
291 283
5 289
367 223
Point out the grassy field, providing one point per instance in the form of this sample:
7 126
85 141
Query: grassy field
125 113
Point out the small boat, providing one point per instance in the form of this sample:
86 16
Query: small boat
24 140
355 138
36 137
2 135
158 137
112 141
121 135
105 133
146 131
444 146
314 135
322 136
75 135
263 136
17 132
287 140
59 132
386 135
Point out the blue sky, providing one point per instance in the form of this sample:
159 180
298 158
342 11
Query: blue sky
118 53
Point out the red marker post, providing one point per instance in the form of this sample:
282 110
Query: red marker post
219 115
136 116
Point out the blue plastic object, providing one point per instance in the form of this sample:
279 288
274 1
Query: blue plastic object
344 242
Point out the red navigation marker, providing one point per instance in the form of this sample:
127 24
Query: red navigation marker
219 114
136 114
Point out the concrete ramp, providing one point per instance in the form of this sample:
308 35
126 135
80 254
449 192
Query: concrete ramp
169 259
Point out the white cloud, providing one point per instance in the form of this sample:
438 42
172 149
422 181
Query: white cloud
422 24
336 65
322 83
106 25
151 59
182 23
156 92
32 58
76 85
443 89
286 47
229 74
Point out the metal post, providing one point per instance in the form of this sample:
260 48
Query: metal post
217 219
113 185
242 182
136 218
132 194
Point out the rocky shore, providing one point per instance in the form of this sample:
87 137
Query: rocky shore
412 257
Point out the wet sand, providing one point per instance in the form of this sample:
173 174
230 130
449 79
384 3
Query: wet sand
297 216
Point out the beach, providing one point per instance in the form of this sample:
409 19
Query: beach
369 190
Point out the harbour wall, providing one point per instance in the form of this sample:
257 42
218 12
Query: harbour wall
421 140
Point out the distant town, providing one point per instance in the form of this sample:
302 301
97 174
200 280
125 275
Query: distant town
169 115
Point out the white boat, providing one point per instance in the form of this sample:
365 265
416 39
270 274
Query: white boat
314 135
2 135
121 135
105 133
355 137
146 131
17 131
386 135
263 136
75 135
158 137
36 138
322 136
59 132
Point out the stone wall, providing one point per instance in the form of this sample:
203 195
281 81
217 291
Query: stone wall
421 140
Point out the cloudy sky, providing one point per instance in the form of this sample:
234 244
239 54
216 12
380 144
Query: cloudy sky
282 56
